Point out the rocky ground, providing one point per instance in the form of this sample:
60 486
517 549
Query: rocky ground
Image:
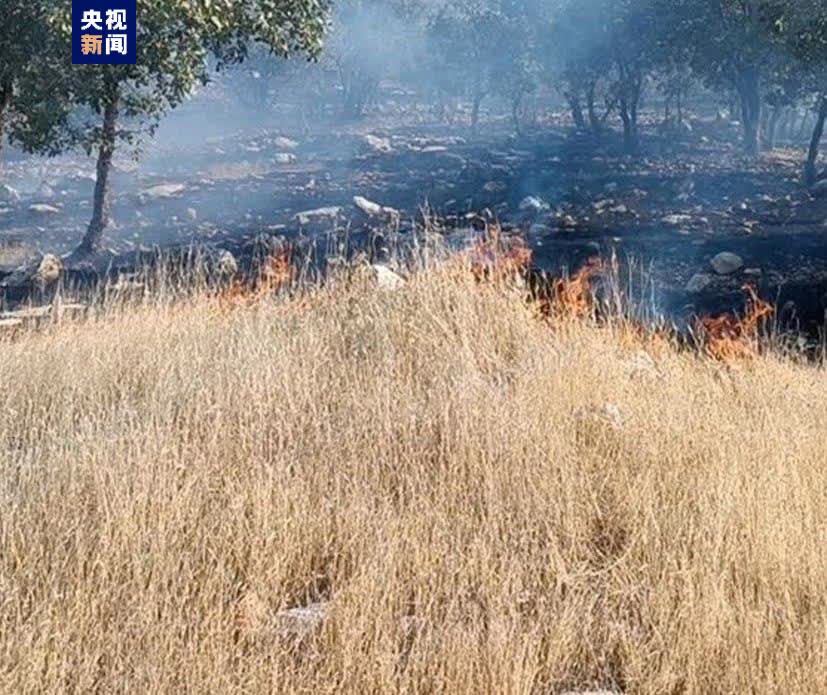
697 219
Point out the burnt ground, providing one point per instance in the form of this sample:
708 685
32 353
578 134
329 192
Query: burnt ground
687 198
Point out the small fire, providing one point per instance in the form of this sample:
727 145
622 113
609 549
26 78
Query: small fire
572 297
275 273
496 259
728 337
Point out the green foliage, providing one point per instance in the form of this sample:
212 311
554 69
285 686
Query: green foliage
62 103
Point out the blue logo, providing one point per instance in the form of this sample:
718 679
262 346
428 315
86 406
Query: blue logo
104 32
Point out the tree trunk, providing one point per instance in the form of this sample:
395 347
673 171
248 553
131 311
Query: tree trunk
5 103
749 91
516 102
475 112
772 126
92 242
576 110
595 121
810 172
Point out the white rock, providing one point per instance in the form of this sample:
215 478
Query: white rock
378 144
43 209
284 158
283 143
318 215
676 220
226 264
372 209
386 279
726 263
534 204
162 191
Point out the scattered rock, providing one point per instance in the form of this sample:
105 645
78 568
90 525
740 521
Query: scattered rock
372 209
676 220
387 279
226 265
284 158
48 270
162 191
698 282
534 205
726 263
328 214
43 209
192 214
567 222
284 143
377 144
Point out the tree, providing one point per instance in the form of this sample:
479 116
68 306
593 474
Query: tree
802 26
95 107
730 46
23 27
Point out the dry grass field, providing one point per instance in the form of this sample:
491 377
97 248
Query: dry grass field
480 503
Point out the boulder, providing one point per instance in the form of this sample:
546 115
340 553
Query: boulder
284 158
226 265
727 263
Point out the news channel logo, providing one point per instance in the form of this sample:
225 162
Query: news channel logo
104 32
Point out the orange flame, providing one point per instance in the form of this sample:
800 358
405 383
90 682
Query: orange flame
275 273
728 337
496 259
572 297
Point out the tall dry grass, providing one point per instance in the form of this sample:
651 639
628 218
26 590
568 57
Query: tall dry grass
484 505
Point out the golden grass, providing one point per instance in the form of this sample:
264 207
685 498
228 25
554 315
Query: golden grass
484 505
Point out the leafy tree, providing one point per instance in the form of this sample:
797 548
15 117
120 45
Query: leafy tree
802 26
22 30
730 46
95 107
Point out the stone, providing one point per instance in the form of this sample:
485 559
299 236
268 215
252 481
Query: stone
284 158
534 205
226 264
328 214
676 220
192 214
284 143
43 209
48 270
726 263
372 209
387 279
377 144
698 282
162 191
